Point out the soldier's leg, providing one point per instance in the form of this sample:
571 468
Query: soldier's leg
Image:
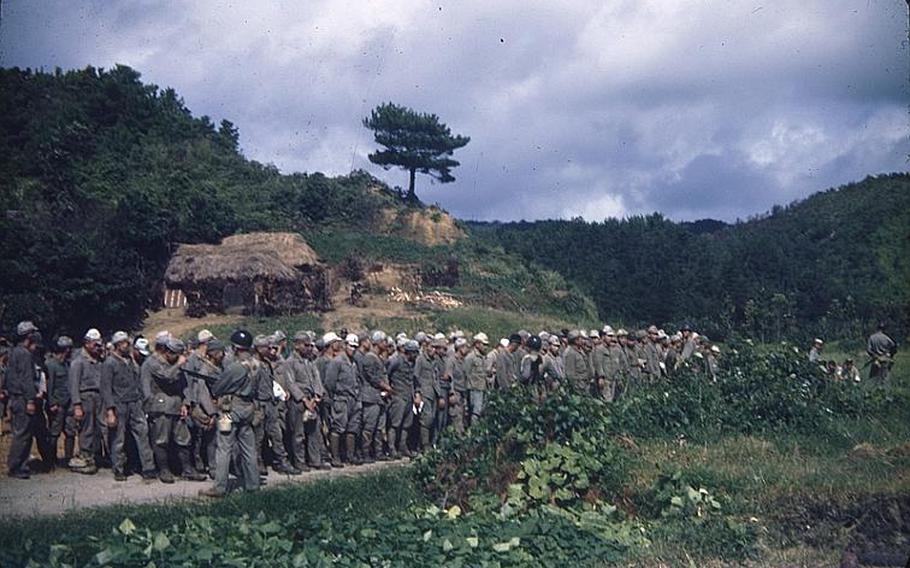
247 452
338 428
275 431
118 443
456 411
442 414
370 419
426 418
476 404
21 427
352 432
295 438
139 429
379 438
182 442
395 420
88 428
315 443
69 434
160 434
55 429
259 435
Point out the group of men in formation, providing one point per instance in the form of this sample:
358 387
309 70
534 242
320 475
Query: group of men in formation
164 409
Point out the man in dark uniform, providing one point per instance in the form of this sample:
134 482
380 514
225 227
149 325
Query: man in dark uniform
234 391
374 390
343 386
85 391
401 379
22 392
58 399
166 394
121 397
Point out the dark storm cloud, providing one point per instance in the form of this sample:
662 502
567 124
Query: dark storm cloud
574 108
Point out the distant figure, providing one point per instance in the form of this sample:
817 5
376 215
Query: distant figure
881 350
816 352
849 372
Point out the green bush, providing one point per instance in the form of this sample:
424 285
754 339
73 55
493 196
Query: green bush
755 390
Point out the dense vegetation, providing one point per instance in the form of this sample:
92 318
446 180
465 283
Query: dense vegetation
830 265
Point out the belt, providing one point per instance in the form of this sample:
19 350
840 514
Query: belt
89 390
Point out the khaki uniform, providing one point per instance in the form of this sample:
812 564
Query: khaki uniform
121 392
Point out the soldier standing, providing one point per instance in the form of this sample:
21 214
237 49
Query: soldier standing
455 370
22 391
425 375
85 391
166 394
477 373
205 412
881 350
121 397
577 371
269 401
58 394
341 383
374 390
401 379
308 444
234 391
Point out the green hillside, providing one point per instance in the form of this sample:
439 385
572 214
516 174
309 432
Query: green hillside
101 175
829 265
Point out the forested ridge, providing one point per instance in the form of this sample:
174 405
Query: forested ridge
101 174
829 265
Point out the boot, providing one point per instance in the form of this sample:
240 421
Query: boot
69 444
164 470
403 447
393 451
335 443
351 449
368 448
189 472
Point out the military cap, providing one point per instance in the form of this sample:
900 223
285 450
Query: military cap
594 334
261 341
460 342
302 337
439 343
352 340
482 337
621 332
439 336
24 328
161 337
421 337
280 335
142 346
92 335
320 344
216 345
378 336
119 336
652 329
554 340
64 342
411 346
174 345
524 334
204 336
401 342
514 338
330 338
573 335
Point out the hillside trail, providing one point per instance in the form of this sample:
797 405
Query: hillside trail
62 491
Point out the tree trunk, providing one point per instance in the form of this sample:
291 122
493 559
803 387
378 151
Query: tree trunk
412 197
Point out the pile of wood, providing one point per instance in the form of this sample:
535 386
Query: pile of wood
435 298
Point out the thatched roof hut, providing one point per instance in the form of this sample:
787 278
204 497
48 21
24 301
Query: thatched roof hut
279 270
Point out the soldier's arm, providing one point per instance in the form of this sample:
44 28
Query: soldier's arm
331 375
285 377
145 382
107 385
74 377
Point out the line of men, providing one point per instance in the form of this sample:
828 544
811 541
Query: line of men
162 409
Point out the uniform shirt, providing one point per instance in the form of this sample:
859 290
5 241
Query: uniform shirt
401 376
880 345
425 374
305 375
237 378
58 382
505 371
164 386
613 362
263 381
475 371
532 368
553 367
599 360
85 376
202 396
20 374
119 381
341 377
455 369
652 359
577 371
372 372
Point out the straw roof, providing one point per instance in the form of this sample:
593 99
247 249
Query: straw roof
272 256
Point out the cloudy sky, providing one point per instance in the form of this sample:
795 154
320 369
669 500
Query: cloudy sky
696 108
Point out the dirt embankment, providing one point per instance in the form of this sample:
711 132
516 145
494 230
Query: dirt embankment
431 226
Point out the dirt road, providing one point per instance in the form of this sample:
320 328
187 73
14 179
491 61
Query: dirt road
62 491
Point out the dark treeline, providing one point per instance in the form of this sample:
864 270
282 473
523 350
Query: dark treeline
831 265
100 174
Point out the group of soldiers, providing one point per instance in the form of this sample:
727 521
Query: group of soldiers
165 409
880 348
